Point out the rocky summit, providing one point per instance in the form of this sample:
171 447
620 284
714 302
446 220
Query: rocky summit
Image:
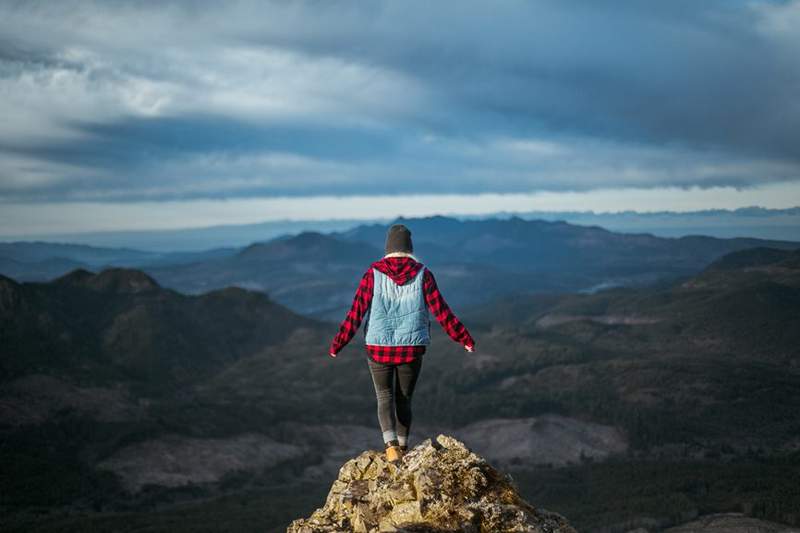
439 486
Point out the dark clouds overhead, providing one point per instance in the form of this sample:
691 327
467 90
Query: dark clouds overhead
135 100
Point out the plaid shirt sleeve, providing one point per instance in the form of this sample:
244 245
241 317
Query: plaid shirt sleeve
355 315
439 308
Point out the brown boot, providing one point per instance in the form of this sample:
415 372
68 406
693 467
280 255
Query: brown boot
393 452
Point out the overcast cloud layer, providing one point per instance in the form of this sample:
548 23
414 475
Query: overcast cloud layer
132 101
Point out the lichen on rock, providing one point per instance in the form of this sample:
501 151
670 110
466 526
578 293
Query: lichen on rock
440 486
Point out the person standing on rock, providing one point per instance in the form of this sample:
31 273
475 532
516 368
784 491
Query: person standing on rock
395 296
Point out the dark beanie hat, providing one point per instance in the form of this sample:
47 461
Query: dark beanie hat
398 239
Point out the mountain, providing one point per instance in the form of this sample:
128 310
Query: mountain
474 261
38 270
753 221
661 362
122 323
516 245
41 261
756 257
308 273
194 240
35 251
440 485
125 405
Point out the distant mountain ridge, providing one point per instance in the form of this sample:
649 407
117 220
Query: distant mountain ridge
475 261
42 261
518 244
752 221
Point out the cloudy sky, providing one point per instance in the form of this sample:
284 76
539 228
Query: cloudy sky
142 114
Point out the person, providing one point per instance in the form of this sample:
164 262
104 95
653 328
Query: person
395 298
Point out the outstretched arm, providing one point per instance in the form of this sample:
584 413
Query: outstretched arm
439 308
355 315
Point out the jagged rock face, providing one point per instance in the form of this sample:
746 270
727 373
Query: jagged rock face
440 486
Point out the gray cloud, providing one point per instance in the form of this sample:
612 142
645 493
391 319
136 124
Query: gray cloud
132 100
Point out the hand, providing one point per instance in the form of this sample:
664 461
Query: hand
469 348
332 354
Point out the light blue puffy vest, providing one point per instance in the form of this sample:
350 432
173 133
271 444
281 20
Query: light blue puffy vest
398 314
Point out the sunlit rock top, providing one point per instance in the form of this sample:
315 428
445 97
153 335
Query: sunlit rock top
440 486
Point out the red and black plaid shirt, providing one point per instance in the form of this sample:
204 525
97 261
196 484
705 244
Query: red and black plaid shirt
407 267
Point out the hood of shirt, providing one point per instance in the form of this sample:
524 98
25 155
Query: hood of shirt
400 269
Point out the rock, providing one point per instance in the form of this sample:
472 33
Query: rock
440 486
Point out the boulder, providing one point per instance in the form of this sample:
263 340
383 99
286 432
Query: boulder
439 486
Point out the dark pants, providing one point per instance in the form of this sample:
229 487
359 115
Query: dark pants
395 400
